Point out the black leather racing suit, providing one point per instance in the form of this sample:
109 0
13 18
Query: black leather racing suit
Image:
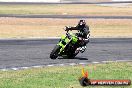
83 32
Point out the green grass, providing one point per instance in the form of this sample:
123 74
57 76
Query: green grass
72 9
64 77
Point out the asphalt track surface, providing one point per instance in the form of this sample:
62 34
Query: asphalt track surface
68 2
65 16
21 53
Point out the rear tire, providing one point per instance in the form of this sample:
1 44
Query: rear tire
54 54
73 55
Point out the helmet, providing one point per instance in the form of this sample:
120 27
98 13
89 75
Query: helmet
82 23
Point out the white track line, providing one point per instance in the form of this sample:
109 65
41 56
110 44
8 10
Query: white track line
61 64
4 69
36 66
66 64
82 63
15 68
95 62
72 64
50 65
123 60
25 67
107 61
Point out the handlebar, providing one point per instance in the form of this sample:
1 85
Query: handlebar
67 32
66 29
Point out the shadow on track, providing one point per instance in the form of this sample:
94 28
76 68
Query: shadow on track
78 58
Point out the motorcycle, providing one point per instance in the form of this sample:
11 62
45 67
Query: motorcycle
67 46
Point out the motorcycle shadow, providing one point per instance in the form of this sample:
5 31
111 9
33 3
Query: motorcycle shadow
78 58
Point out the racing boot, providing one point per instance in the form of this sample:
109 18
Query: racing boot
82 49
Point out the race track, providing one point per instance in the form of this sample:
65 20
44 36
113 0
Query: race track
66 2
65 16
21 53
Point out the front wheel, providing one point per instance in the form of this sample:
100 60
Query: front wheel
55 52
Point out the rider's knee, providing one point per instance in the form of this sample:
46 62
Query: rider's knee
86 41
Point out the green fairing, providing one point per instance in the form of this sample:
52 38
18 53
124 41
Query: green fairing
74 39
64 38
66 46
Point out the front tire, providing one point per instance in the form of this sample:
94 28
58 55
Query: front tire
55 52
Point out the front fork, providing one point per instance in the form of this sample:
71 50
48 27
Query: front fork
62 50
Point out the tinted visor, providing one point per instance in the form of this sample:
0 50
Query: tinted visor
81 23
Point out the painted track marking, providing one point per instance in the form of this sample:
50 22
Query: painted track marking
66 64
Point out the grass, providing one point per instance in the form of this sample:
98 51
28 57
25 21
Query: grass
66 9
41 27
65 76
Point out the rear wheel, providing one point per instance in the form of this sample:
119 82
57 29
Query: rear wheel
72 55
54 54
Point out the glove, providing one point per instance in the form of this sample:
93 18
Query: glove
66 29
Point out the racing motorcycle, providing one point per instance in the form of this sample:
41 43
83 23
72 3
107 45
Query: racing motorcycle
67 46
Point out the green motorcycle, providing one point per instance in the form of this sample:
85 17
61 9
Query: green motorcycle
67 46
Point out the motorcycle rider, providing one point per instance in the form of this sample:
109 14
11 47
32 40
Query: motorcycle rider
83 30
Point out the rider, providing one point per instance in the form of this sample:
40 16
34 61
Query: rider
83 32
